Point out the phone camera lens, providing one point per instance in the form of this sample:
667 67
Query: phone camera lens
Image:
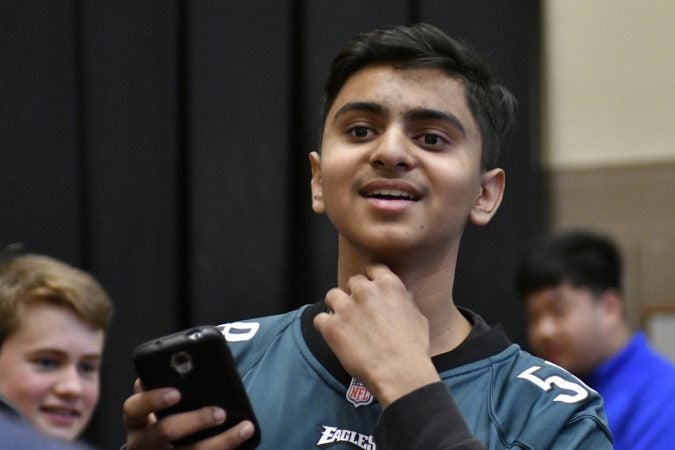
181 362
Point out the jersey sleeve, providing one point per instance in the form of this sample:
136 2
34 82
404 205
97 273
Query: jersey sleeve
537 404
426 418
249 340
583 434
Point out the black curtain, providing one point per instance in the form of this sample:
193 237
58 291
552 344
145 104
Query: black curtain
162 145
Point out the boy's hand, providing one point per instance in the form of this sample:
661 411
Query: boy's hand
378 334
146 432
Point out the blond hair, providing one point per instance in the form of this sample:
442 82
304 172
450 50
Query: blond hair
30 278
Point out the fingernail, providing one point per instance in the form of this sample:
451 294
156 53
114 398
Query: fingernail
171 396
218 415
246 430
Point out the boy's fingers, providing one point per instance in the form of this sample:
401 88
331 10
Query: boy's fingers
335 298
320 321
180 425
148 433
139 406
229 439
376 270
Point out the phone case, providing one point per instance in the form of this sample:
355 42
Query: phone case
199 364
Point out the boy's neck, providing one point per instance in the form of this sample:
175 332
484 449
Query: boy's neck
433 296
431 284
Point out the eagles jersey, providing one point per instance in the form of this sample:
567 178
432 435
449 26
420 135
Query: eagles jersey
491 389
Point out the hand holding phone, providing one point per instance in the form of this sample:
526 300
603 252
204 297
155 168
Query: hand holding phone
199 364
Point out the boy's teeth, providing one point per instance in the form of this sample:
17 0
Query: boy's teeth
390 193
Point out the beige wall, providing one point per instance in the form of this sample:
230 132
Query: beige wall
609 82
609 133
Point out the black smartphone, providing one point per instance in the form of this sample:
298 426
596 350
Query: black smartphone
199 364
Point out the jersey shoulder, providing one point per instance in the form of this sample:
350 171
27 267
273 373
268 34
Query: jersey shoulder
558 404
248 340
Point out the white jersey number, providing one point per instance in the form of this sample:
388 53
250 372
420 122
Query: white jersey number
239 331
547 384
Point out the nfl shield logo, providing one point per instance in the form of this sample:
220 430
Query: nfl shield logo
358 394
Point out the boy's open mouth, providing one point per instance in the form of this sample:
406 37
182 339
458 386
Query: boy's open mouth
390 190
389 194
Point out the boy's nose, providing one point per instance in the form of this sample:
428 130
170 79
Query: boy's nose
393 151
544 329
69 383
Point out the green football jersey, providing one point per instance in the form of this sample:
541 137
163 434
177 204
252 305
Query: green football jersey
506 397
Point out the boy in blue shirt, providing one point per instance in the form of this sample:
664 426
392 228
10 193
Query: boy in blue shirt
571 283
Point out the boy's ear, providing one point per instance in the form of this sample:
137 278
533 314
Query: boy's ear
490 196
315 184
612 305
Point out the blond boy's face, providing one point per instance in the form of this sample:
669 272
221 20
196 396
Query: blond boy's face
399 167
49 370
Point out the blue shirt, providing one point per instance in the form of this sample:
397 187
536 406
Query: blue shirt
638 386
17 435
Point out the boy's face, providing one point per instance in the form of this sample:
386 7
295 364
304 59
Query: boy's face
567 325
400 162
49 370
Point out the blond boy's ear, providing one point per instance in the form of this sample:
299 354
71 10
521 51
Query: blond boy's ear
317 190
490 196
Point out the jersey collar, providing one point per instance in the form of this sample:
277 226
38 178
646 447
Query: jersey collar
482 342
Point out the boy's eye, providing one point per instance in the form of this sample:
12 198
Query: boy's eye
46 363
89 367
431 139
360 132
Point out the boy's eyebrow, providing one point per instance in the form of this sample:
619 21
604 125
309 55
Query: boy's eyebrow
415 114
434 114
59 352
362 107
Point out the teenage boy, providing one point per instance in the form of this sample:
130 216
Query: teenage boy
412 121
571 284
53 319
